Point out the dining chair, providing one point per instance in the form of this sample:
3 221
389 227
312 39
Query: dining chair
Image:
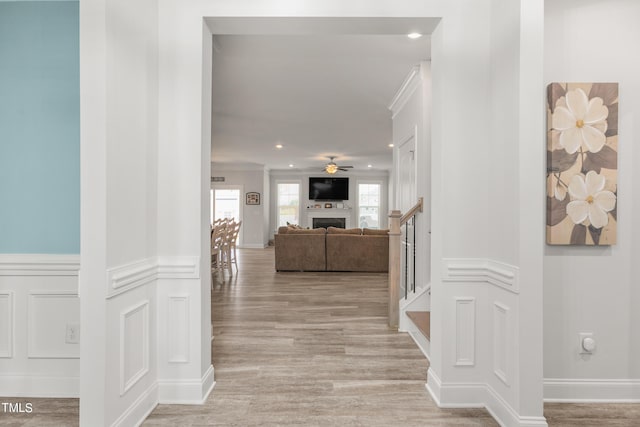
230 246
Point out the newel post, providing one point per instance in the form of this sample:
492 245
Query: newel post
394 268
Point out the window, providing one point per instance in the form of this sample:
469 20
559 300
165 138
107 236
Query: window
369 205
288 203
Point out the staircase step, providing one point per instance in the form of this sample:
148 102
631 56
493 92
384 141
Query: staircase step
422 319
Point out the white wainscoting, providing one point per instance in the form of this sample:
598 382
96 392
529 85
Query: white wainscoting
143 315
6 324
178 328
183 376
178 267
484 294
39 265
49 314
129 276
481 270
38 299
501 355
134 345
465 353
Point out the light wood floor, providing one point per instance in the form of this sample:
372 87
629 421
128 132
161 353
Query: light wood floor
313 349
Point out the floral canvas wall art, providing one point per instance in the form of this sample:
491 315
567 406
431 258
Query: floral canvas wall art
582 163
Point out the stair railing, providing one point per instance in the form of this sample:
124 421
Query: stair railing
402 265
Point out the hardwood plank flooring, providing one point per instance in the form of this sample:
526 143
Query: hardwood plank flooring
313 349
592 414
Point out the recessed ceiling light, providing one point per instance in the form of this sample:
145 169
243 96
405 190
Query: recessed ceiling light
291 165
279 146
391 145
414 35
369 166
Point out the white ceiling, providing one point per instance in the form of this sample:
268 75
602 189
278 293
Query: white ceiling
317 95
321 90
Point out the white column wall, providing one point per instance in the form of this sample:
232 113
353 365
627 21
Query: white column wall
595 289
530 194
118 305
486 292
185 372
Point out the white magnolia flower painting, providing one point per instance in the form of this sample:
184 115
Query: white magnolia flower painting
582 163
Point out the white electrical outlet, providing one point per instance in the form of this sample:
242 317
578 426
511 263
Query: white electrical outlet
73 333
587 343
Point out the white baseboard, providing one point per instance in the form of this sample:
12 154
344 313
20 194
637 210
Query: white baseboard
186 392
478 395
591 390
39 386
140 409
252 246
504 413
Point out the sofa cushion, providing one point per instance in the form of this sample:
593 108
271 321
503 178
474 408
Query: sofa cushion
336 230
296 251
374 232
283 230
357 253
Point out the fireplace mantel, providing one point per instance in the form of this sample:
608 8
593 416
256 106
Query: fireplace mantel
329 213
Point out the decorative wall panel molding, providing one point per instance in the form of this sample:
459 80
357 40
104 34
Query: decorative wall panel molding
39 265
134 345
501 320
481 270
178 268
465 331
127 277
50 313
6 325
178 329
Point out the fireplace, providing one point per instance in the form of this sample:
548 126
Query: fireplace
317 218
329 222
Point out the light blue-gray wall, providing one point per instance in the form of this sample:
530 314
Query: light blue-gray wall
39 127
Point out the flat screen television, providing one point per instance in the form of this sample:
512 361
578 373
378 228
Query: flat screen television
328 188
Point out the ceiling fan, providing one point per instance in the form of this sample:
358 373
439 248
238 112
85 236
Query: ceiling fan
332 167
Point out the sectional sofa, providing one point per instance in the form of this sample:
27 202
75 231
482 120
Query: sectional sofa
332 249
